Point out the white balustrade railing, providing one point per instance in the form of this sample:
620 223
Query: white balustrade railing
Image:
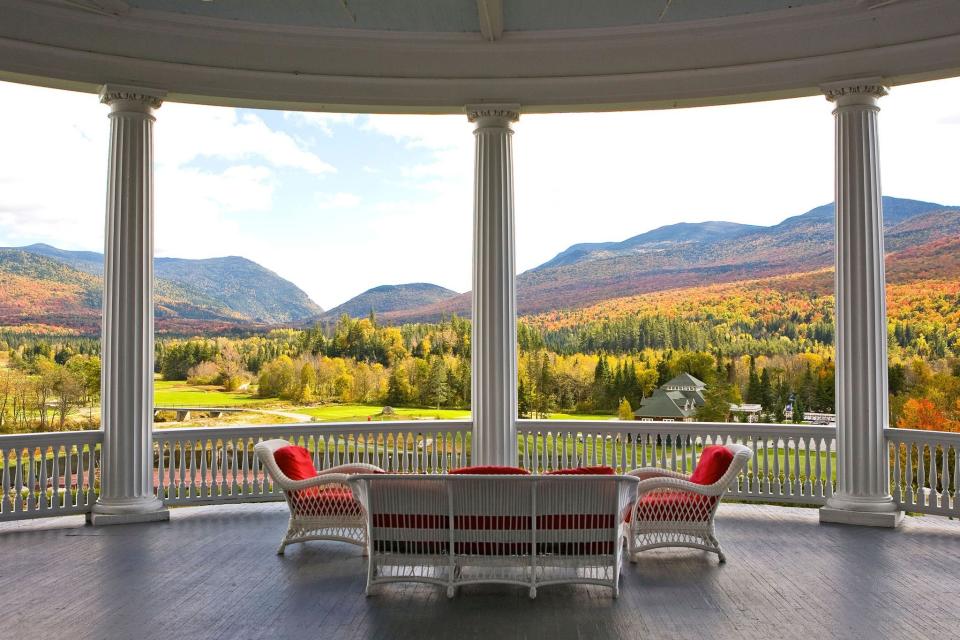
790 463
49 474
214 465
925 469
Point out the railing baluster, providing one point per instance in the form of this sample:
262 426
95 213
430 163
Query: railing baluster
777 487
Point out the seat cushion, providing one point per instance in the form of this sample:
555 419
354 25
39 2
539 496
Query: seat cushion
714 462
325 503
295 462
680 506
584 471
490 470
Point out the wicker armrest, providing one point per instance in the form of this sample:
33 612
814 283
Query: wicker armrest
357 467
677 484
644 473
316 481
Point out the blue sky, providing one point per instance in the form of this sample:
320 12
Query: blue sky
341 203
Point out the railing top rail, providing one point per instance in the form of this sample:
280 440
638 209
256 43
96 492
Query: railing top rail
920 435
50 438
314 428
198 407
613 427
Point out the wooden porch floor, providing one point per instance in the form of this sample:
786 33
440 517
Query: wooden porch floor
211 572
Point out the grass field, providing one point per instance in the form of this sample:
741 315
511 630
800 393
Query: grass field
361 412
180 394
580 416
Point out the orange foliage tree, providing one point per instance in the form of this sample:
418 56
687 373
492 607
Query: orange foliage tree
922 413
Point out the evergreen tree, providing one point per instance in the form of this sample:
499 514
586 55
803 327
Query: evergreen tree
798 408
753 385
437 381
716 406
766 391
523 399
398 388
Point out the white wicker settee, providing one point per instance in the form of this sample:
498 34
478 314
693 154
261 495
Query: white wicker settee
672 511
321 507
464 529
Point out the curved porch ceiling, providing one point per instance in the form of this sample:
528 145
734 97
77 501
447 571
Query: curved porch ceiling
434 56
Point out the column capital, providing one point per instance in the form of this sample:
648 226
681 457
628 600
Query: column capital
860 91
493 115
131 98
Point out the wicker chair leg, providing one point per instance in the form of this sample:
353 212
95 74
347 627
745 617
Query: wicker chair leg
716 545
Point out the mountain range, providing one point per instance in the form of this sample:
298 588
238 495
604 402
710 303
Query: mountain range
391 297
45 286
695 254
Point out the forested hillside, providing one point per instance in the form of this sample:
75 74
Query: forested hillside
695 255
387 298
52 289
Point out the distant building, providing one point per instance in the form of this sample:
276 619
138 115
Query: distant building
746 412
675 401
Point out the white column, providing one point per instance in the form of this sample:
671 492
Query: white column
494 341
126 480
863 472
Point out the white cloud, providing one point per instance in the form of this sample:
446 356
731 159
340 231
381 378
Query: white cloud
323 121
578 177
191 132
339 200
52 166
428 132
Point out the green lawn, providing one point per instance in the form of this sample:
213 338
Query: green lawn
580 416
180 394
360 413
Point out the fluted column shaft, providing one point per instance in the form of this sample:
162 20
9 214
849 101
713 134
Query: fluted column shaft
863 483
494 339
126 485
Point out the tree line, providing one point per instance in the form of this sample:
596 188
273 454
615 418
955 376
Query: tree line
45 386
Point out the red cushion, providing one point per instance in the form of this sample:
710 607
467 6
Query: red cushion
325 503
490 470
295 462
714 462
680 506
583 471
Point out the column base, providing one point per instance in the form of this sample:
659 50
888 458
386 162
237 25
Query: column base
888 519
124 512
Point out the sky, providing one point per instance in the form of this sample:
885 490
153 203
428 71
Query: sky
340 203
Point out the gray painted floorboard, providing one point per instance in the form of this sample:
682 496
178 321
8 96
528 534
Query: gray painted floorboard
211 572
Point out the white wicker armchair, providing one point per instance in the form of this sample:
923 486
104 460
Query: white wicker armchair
672 511
322 507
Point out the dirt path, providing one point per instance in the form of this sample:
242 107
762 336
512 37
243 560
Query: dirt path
296 417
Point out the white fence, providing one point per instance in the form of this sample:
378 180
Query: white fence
203 466
50 474
790 463
924 470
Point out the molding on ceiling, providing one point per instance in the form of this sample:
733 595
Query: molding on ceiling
763 56
490 13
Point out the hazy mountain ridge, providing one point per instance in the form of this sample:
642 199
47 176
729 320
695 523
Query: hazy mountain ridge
222 291
696 254
43 284
387 298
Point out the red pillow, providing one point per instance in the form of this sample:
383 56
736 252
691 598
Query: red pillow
490 470
295 462
584 471
714 462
